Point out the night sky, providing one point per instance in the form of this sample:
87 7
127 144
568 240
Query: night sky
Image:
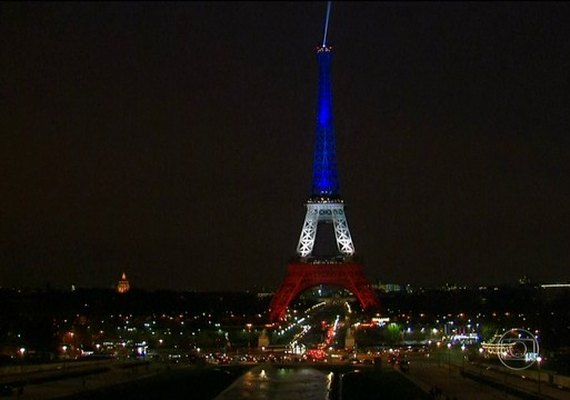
174 141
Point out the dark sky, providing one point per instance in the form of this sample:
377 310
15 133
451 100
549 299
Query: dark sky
174 140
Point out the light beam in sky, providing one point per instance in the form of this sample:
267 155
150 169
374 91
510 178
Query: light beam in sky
327 23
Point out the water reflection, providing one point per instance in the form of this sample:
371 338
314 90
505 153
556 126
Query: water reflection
267 382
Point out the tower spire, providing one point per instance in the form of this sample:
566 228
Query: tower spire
325 175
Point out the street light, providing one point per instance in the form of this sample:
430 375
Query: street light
463 359
538 361
22 352
249 325
449 358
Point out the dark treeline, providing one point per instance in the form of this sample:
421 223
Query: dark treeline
60 304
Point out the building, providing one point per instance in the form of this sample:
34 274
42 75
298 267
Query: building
123 284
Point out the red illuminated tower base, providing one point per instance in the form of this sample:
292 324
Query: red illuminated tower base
302 276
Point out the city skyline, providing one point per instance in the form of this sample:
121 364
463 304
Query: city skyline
174 141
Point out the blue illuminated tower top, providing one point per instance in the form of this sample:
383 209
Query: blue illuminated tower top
325 175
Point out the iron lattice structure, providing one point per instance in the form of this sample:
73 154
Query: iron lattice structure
302 276
324 206
322 211
325 175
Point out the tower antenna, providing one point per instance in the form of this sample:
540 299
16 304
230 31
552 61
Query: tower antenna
327 23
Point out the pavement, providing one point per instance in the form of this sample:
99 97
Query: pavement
63 387
477 383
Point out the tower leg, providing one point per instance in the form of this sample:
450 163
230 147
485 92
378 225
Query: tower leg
342 234
309 232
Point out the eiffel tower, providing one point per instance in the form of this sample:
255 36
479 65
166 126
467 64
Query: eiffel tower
325 206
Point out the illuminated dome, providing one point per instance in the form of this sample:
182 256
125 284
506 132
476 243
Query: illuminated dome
123 284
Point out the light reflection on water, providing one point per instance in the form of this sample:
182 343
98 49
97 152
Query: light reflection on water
267 382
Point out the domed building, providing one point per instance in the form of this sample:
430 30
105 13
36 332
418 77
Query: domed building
123 284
